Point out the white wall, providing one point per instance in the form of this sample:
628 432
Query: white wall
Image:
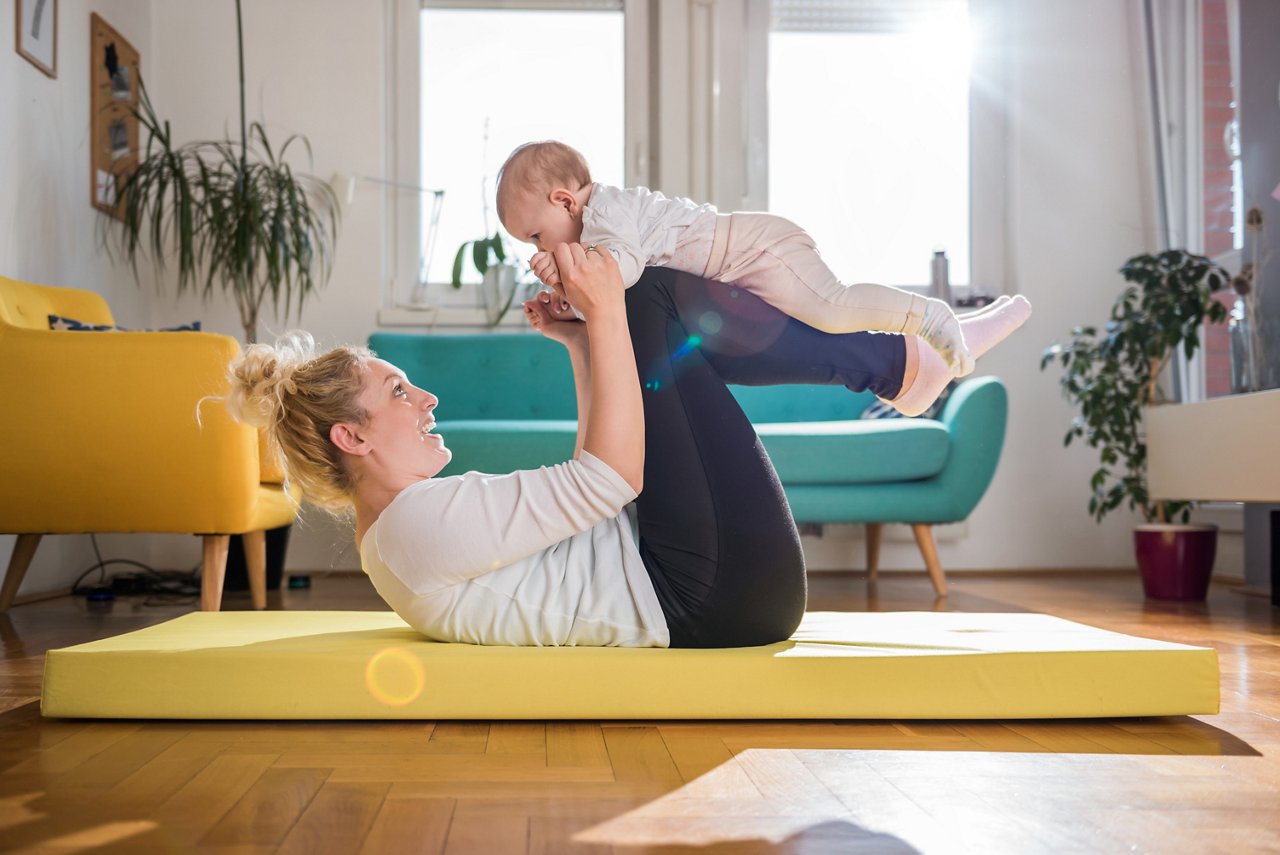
1078 207
1077 211
314 68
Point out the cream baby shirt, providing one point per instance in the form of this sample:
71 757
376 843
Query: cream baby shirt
544 557
641 228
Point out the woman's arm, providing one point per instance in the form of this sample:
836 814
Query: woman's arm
614 430
580 359
572 333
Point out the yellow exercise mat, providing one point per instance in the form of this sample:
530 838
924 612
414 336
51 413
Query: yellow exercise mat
371 665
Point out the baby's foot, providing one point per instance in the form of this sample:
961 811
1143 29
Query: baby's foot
996 303
982 330
941 329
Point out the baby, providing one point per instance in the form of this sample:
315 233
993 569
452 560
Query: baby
546 197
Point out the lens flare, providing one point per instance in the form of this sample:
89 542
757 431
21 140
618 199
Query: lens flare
394 677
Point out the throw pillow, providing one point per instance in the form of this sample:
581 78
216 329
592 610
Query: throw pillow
58 322
880 410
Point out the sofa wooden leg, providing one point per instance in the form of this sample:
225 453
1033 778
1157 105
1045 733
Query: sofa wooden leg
23 551
255 559
873 550
213 571
929 549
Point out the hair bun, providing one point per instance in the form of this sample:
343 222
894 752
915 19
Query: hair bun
262 377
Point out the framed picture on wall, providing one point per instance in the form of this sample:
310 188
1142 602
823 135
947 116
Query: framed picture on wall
113 96
36 37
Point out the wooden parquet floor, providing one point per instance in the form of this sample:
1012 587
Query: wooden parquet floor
1199 784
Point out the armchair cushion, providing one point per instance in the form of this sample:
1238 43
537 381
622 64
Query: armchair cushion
855 452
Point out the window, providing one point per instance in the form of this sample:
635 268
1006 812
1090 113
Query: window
491 80
868 128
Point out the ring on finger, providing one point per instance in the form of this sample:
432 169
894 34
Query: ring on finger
591 248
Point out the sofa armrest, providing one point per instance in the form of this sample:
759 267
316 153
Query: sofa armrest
975 416
102 434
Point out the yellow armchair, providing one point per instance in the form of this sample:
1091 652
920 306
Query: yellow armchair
100 435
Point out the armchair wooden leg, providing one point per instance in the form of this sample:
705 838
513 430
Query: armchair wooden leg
929 549
873 550
23 551
213 571
255 559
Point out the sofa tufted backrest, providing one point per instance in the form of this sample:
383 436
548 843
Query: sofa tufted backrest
485 375
524 376
772 404
29 306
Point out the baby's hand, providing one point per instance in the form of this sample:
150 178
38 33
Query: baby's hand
544 267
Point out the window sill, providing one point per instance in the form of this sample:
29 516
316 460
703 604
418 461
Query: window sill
430 317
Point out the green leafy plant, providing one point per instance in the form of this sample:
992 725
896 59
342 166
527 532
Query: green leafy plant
1111 376
233 214
484 253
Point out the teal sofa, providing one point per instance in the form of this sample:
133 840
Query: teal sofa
507 402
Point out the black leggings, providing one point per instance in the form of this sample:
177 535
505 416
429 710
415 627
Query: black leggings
712 501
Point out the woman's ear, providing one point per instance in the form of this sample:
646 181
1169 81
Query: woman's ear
347 440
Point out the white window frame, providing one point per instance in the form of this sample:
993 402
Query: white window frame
697 119
711 128
403 147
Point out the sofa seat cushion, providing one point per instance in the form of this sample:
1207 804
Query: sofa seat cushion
505 445
856 452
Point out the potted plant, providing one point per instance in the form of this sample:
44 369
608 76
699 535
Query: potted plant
499 277
1112 377
235 217
233 214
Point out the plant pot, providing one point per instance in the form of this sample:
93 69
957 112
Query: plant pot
496 290
1176 561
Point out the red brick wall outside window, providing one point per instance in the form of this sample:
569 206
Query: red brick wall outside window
1218 199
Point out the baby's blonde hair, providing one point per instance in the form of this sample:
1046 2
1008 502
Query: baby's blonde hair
539 167
296 396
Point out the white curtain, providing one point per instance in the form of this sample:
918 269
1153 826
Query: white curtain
1171 31
1171 42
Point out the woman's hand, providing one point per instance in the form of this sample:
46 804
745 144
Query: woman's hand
589 280
543 316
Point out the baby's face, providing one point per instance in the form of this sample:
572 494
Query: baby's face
541 222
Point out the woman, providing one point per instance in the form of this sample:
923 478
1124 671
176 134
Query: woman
708 554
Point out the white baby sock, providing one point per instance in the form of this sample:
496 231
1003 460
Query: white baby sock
983 330
998 301
941 329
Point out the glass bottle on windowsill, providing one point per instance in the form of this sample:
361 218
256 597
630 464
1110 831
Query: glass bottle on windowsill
940 277
1243 366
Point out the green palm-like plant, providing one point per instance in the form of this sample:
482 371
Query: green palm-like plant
233 213
1112 376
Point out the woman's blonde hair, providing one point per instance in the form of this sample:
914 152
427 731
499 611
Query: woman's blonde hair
296 397
538 167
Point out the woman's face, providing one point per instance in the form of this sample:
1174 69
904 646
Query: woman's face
398 432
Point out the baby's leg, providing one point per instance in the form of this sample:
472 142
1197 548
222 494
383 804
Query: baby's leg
778 262
927 375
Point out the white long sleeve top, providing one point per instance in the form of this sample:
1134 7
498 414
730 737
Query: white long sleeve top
640 227
544 557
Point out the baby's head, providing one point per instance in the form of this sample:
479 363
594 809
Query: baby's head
540 192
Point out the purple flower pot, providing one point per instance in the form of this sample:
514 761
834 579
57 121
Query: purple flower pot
1176 561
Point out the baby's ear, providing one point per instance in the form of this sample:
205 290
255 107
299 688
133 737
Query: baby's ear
562 198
